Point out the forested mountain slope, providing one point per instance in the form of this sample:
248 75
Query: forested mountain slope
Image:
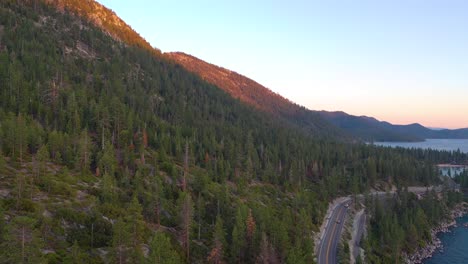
101 17
361 127
253 93
110 153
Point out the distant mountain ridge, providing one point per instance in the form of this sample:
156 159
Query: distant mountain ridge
371 129
252 93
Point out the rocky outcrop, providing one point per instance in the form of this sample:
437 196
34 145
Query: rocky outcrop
105 19
435 243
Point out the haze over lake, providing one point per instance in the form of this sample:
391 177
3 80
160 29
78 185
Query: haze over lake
438 144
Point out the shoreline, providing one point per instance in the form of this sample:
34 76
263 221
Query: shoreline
435 244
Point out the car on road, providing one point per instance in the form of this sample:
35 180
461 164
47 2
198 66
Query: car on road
338 221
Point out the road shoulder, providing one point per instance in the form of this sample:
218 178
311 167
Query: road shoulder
357 234
319 236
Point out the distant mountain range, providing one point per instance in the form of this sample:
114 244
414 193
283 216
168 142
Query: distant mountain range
371 129
360 127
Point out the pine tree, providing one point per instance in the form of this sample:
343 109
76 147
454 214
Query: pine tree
239 232
216 254
108 162
108 184
250 226
161 251
144 145
135 228
267 253
156 192
21 187
200 211
22 243
21 136
120 240
83 159
185 215
250 234
42 157
186 164
2 161
76 255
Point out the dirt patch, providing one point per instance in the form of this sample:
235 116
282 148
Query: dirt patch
47 214
4 193
356 235
84 50
81 196
39 197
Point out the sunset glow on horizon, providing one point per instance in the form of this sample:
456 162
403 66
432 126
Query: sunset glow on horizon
398 61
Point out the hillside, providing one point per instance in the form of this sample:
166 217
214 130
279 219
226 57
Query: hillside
236 85
104 18
111 153
258 96
253 93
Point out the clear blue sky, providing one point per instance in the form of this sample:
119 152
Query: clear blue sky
403 61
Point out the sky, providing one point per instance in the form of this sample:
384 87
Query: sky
402 61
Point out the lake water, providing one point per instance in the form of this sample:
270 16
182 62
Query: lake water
455 243
455 246
438 144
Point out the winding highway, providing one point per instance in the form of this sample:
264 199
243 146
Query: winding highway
328 247
327 252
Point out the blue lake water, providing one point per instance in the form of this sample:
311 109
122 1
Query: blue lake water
455 246
438 144
455 243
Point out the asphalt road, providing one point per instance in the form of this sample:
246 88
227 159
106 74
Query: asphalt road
328 249
327 253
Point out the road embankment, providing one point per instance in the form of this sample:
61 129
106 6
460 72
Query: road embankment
359 227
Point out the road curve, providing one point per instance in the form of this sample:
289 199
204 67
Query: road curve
327 252
328 247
